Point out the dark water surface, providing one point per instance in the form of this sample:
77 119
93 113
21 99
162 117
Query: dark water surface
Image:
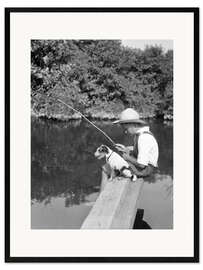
66 176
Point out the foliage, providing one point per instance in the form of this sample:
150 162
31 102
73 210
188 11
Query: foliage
100 78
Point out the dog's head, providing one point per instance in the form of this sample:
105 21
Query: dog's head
102 151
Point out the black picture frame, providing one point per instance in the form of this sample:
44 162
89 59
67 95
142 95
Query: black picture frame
8 257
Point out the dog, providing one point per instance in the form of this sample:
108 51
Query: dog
119 166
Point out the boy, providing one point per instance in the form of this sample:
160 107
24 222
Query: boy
143 157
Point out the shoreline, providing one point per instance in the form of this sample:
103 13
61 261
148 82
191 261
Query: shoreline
99 117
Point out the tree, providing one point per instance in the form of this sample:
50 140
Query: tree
100 75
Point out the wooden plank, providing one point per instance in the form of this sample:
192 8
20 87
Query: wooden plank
116 205
127 209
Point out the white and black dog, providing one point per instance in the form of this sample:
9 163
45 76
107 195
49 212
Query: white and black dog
119 166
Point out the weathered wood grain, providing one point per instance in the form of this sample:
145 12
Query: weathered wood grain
116 205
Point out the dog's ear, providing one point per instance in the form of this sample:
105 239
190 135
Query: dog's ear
104 149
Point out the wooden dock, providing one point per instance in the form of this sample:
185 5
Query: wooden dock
116 206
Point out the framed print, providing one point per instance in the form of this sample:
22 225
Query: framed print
102 134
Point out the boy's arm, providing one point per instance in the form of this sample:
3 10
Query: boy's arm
133 161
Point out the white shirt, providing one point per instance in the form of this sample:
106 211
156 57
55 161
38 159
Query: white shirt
148 150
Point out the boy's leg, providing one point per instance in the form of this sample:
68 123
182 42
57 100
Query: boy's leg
147 171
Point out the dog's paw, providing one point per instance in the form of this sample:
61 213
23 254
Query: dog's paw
133 178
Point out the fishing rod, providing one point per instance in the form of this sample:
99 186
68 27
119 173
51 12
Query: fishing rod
70 107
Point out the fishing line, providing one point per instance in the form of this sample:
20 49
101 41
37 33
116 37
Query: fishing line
70 107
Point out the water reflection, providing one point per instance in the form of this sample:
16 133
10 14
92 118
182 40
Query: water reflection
65 176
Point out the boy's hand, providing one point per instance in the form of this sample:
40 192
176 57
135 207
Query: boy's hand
121 148
126 156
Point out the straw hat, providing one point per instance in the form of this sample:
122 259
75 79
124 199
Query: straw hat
129 116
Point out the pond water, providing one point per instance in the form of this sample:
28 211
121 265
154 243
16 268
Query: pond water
66 177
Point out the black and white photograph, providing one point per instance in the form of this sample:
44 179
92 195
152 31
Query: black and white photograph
102 134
